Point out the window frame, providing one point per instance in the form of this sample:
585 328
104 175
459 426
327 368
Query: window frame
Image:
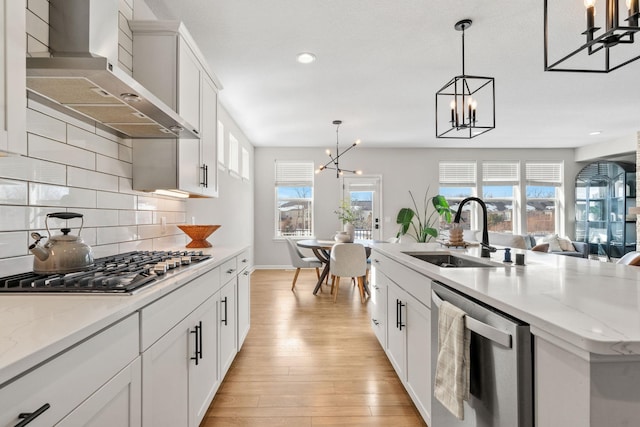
294 174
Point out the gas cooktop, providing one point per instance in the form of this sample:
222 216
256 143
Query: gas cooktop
116 274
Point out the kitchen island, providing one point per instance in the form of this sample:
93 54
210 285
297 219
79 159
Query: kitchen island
584 317
80 356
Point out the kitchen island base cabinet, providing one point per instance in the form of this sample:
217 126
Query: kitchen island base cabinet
588 390
82 383
408 326
227 321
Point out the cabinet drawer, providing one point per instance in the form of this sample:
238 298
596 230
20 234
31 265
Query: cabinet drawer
69 378
243 261
228 270
165 313
416 284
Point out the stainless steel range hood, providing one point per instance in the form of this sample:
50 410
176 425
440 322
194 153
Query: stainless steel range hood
82 74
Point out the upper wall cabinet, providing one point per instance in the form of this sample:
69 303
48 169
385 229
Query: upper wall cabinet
167 61
13 134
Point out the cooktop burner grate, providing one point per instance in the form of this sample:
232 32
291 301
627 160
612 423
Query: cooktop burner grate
122 273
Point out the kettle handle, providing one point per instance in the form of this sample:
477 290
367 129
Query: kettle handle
63 215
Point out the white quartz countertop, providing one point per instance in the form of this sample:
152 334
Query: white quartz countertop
592 306
36 327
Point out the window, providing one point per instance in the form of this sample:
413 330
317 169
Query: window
234 156
221 145
245 164
294 199
458 181
500 183
544 196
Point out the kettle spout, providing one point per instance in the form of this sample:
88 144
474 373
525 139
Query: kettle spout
41 253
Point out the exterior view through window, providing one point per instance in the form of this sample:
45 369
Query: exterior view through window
294 199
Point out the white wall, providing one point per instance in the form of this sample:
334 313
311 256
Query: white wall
401 170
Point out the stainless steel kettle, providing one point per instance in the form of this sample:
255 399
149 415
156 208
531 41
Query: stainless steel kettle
63 253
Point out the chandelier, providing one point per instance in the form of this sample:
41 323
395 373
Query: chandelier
465 106
604 37
334 163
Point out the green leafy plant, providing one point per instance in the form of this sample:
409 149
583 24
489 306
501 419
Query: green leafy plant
345 213
422 224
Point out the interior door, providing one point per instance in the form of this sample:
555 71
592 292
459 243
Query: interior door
364 194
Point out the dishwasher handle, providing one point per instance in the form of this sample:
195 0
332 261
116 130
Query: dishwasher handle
487 331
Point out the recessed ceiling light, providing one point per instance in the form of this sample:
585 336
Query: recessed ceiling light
306 58
595 132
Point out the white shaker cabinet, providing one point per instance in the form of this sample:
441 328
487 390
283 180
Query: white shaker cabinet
244 297
227 315
408 327
180 371
99 377
13 134
378 302
180 353
167 61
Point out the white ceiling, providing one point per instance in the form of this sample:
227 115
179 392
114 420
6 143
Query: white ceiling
380 63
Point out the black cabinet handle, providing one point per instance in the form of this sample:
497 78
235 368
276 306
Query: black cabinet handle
400 324
200 338
231 270
225 310
196 331
397 312
27 417
206 176
375 322
202 180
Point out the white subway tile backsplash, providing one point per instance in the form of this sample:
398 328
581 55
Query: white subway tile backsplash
125 185
36 48
35 105
125 153
137 245
114 166
40 8
107 235
47 126
169 243
88 235
13 192
148 203
16 265
107 200
157 230
13 218
28 169
77 177
134 217
38 28
48 149
91 142
53 195
99 217
14 244
105 250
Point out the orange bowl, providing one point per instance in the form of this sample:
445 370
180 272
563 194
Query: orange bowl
198 234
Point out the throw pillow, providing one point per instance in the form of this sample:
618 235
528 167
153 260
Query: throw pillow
554 243
542 247
566 245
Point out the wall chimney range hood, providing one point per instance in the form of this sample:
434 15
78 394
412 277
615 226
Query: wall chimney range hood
82 75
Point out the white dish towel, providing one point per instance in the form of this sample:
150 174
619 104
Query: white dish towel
451 386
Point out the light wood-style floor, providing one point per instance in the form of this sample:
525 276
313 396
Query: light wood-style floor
309 362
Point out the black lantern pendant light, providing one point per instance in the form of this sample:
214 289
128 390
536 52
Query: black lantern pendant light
606 32
334 163
465 107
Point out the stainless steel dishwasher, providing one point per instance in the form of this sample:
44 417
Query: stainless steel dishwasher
501 385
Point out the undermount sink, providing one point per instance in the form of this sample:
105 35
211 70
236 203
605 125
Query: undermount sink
448 260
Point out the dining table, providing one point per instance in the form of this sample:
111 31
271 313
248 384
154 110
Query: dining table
322 250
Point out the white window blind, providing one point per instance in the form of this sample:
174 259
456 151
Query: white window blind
547 173
501 173
245 164
457 173
221 144
234 155
294 173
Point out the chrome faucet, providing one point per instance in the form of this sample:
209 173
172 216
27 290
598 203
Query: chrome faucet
486 250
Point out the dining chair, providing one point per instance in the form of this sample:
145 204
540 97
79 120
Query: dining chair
630 258
347 260
298 260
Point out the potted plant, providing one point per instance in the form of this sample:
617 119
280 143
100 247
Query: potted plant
347 216
422 224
